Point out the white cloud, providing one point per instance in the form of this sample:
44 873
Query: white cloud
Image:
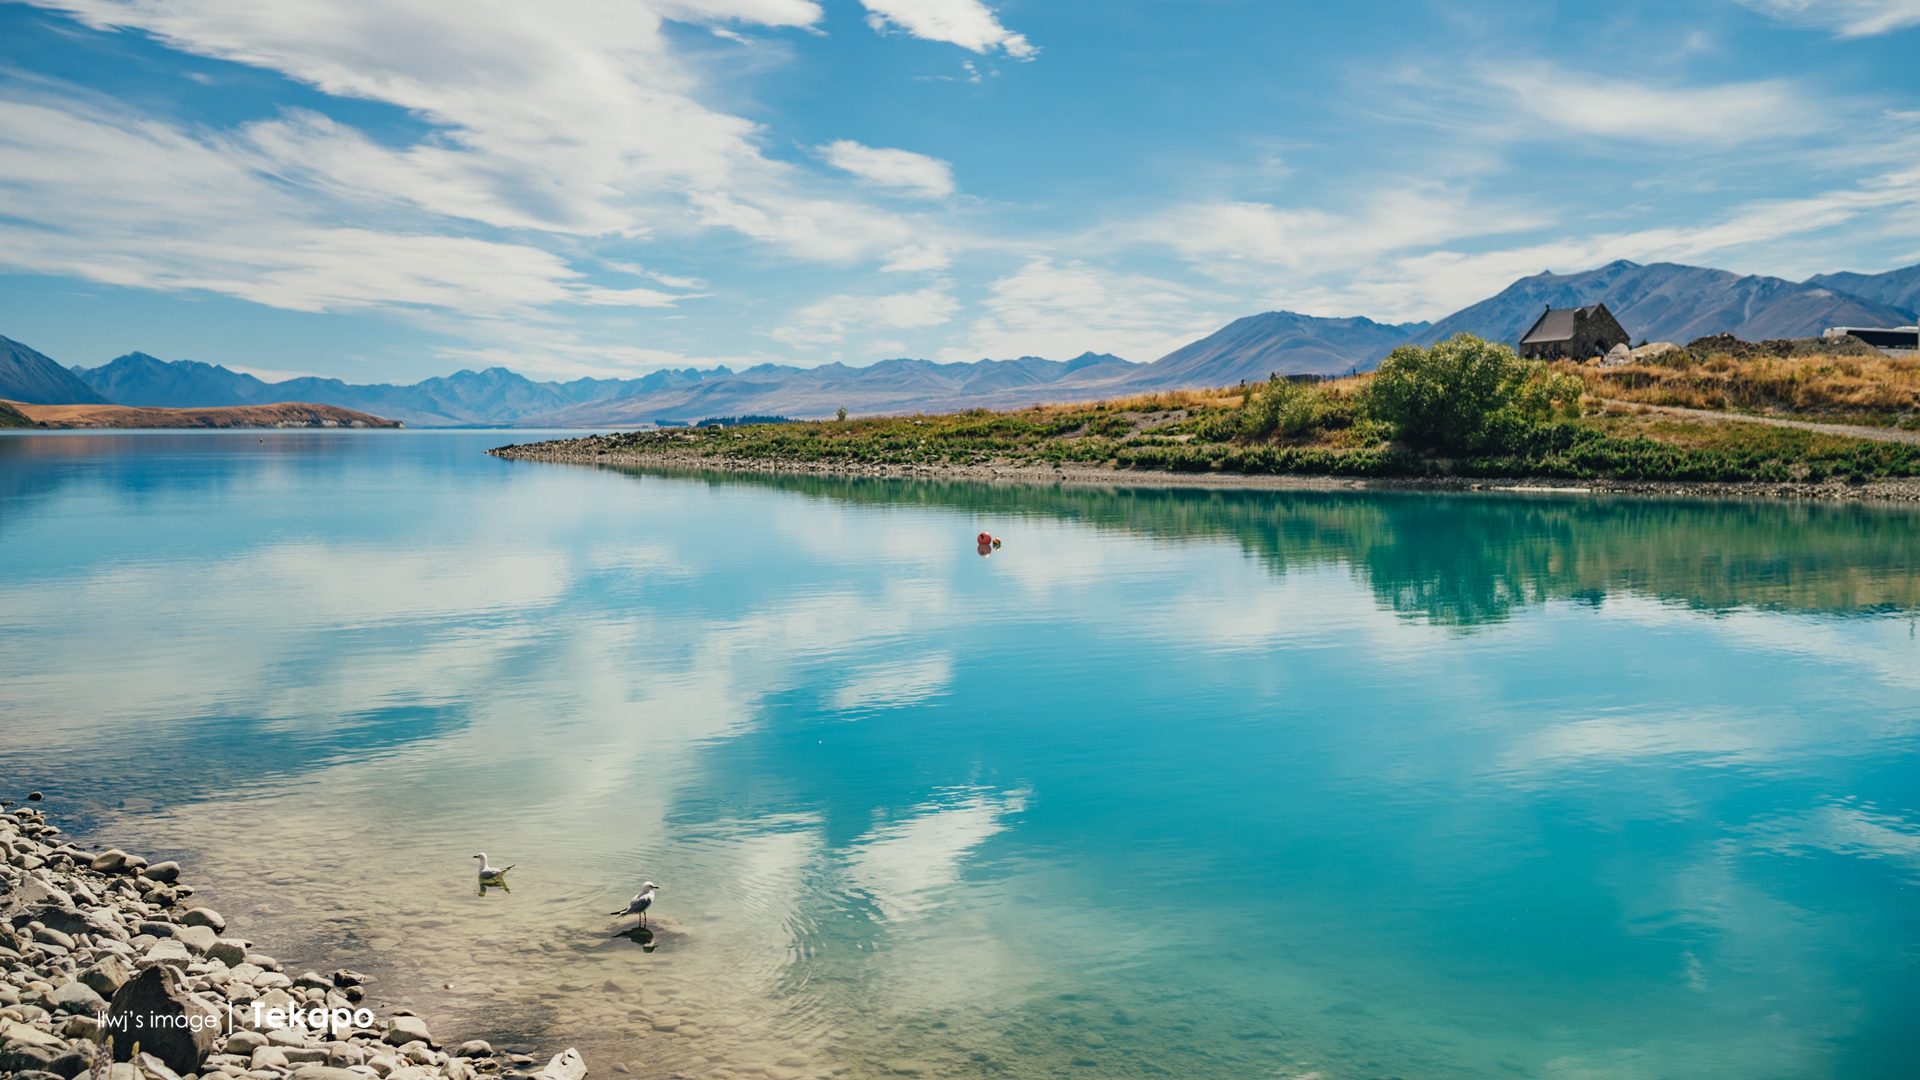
1846 18
645 298
1060 311
969 24
830 321
905 170
575 120
917 258
1574 104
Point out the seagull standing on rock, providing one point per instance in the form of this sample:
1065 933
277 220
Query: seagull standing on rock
641 901
491 874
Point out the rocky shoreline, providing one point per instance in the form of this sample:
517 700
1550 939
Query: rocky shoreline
110 974
597 450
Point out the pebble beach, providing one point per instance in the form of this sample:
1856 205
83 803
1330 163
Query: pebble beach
114 974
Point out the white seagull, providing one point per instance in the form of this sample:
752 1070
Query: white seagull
491 874
641 901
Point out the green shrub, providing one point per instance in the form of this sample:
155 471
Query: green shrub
1465 394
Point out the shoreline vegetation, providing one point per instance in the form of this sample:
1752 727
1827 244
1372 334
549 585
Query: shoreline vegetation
111 974
1464 414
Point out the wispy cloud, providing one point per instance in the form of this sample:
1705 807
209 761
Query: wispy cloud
1846 18
969 24
577 120
1569 105
903 170
1059 310
835 319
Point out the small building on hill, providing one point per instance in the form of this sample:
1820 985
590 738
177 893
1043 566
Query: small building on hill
1572 334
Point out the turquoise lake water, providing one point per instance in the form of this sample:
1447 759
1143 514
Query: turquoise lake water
1178 782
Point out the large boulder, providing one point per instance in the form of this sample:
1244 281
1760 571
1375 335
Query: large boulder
158 1012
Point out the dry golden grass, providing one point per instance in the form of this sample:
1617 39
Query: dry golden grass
1878 383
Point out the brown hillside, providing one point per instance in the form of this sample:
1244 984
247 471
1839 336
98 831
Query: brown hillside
285 415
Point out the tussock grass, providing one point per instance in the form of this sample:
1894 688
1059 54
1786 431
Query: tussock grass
1853 384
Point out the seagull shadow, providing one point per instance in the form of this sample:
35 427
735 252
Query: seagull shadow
650 937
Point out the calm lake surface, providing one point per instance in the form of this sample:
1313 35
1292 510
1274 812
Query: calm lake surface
1201 784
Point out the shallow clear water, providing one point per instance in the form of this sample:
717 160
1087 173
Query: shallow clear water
1187 783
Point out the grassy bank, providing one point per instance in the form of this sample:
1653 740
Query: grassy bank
1464 408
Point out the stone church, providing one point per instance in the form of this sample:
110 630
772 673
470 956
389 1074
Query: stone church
1572 334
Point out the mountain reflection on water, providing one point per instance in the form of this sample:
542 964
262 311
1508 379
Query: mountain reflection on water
1201 783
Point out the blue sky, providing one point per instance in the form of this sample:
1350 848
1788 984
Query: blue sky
391 189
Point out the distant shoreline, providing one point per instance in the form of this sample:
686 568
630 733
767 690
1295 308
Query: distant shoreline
292 414
593 450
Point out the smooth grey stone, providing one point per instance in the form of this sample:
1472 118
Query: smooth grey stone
405 1029
229 951
345 977
66 920
77 997
107 975
313 979
159 928
34 891
164 872
169 952
476 1048
110 861
197 938
76 1060
245 1042
202 916
20 1057
47 935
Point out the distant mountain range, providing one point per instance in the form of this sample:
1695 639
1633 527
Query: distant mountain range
33 379
1661 302
1670 302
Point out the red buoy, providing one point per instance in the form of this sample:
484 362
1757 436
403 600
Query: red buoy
984 538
